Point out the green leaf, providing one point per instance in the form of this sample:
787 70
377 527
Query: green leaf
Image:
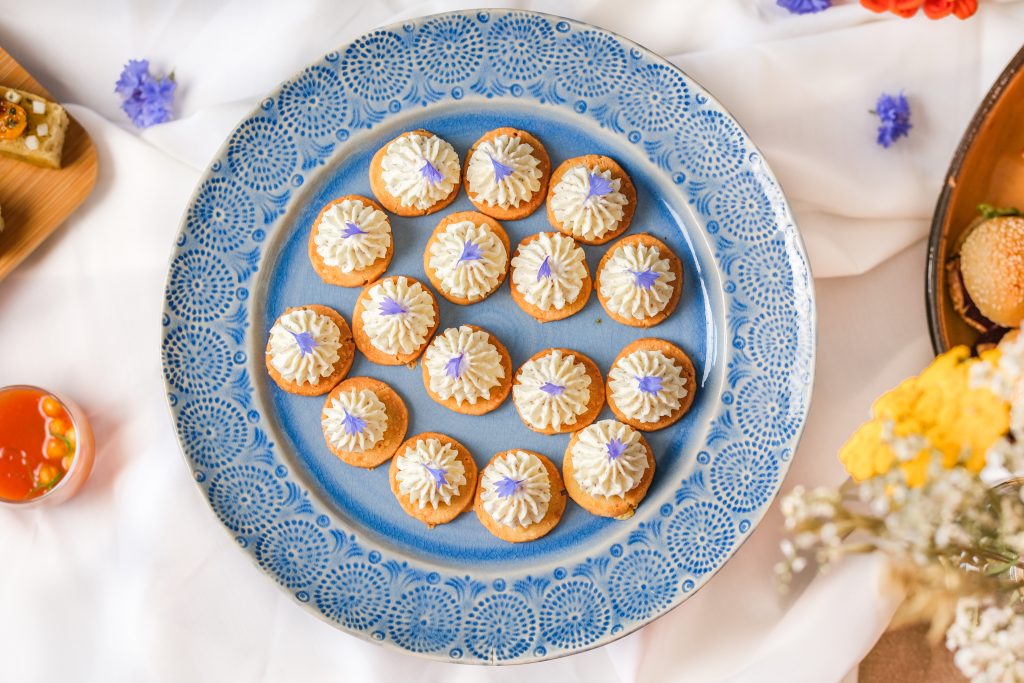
988 211
46 487
997 568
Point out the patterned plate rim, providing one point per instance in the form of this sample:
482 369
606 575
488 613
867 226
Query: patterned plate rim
236 203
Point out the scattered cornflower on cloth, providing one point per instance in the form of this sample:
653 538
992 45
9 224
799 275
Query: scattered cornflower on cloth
804 6
933 9
893 112
146 100
937 486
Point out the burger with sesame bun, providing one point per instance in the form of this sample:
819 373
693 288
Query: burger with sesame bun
986 273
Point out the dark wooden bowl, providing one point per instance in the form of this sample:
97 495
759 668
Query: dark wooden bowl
988 167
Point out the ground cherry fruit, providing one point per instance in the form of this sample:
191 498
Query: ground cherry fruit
47 474
51 408
13 120
55 448
58 426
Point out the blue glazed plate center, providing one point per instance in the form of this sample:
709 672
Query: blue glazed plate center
363 499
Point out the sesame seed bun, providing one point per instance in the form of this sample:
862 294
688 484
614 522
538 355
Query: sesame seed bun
992 266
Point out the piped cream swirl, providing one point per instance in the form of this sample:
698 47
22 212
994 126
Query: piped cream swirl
462 364
430 473
647 386
516 489
420 170
503 171
587 202
352 235
552 391
469 260
608 458
354 421
549 271
398 315
636 281
304 346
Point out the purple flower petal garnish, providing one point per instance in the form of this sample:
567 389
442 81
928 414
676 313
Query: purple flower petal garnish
351 230
453 368
305 341
615 448
645 279
430 172
552 389
353 424
506 486
501 171
438 473
599 186
650 384
545 269
391 307
470 252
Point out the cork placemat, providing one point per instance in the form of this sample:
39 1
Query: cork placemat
905 655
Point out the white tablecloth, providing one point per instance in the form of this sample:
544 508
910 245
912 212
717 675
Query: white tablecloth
135 580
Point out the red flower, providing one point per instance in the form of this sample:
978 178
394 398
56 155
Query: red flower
936 9
903 8
933 9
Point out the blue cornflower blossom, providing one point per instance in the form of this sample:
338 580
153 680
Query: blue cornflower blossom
146 100
893 114
804 6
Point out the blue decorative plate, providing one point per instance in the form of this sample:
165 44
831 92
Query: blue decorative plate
332 535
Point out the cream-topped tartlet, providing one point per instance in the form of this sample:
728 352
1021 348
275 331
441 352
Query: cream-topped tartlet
558 390
591 199
651 384
639 281
466 257
608 468
394 319
520 496
350 244
550 279
363 421
466 369
507 173
415 174
433 478
309 350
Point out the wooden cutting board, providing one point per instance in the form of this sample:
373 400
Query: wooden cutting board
35 201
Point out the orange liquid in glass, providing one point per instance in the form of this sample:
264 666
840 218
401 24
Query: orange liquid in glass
37 443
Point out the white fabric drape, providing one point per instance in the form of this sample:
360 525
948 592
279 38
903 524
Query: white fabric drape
134 580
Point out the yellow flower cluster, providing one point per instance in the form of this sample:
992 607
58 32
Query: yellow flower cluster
956 422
